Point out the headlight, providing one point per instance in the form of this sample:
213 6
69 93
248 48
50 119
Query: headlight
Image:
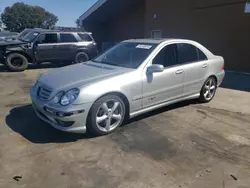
58 97
69 97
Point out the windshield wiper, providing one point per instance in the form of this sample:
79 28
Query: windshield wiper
109 63
104 62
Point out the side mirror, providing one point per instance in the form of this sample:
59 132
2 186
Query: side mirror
155 68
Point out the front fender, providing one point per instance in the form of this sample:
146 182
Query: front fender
26 52
91 93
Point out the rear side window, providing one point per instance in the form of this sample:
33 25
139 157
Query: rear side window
85 37
67 37
201 55
187 53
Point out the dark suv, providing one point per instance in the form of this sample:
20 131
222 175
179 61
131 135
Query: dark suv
47 46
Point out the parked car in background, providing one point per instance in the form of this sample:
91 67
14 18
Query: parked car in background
39 46
131 78
7 35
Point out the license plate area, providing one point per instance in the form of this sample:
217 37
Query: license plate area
45 116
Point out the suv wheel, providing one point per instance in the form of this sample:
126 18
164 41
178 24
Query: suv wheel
16 62
81 57
106 115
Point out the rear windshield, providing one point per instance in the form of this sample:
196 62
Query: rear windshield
126 54
85 36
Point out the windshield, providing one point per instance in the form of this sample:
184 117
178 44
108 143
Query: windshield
126 54
23 33
30 36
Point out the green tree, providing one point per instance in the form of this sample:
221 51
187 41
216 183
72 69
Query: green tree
20 16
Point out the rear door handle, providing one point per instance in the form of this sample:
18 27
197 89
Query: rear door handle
204 65
56 46
179 71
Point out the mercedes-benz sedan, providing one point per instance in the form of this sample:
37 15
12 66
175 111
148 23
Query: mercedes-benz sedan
131 78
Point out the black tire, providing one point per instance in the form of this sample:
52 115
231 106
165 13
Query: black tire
92 126
81 57
16 62
203 98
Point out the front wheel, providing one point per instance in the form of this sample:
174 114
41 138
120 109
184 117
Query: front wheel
16 62
208 90
106 115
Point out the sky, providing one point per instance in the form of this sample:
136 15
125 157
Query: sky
66 10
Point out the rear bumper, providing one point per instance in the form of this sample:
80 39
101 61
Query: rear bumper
220 77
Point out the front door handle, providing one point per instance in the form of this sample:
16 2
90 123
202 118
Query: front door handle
204 65
179 71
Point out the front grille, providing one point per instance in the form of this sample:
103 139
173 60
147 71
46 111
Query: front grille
43 93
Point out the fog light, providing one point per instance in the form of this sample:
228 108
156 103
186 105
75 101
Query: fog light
62 114
65 123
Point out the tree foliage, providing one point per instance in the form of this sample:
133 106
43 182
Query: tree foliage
20 16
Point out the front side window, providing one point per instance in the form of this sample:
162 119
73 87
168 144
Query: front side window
126 54
167 56
85 37
67 37
48 38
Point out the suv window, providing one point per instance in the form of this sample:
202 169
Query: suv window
67 37
187 53
85 37
167 56
48 38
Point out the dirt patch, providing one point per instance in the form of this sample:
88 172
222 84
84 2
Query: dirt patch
211 143
139 137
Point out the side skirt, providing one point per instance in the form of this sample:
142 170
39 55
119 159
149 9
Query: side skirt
144 110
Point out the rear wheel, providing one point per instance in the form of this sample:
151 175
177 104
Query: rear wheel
208 90
106 115
81 57
16 62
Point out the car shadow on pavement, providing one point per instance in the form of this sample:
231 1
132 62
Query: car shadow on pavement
24 121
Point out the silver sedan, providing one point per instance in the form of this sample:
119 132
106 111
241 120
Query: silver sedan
131 78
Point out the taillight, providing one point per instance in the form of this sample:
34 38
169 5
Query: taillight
223 67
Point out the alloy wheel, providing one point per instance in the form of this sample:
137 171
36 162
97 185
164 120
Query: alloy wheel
109 115
209 89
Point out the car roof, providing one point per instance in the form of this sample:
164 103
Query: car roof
58 31
155 41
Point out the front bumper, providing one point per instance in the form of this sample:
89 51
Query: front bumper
68 119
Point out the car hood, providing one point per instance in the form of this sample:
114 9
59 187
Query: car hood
12 43
79 75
